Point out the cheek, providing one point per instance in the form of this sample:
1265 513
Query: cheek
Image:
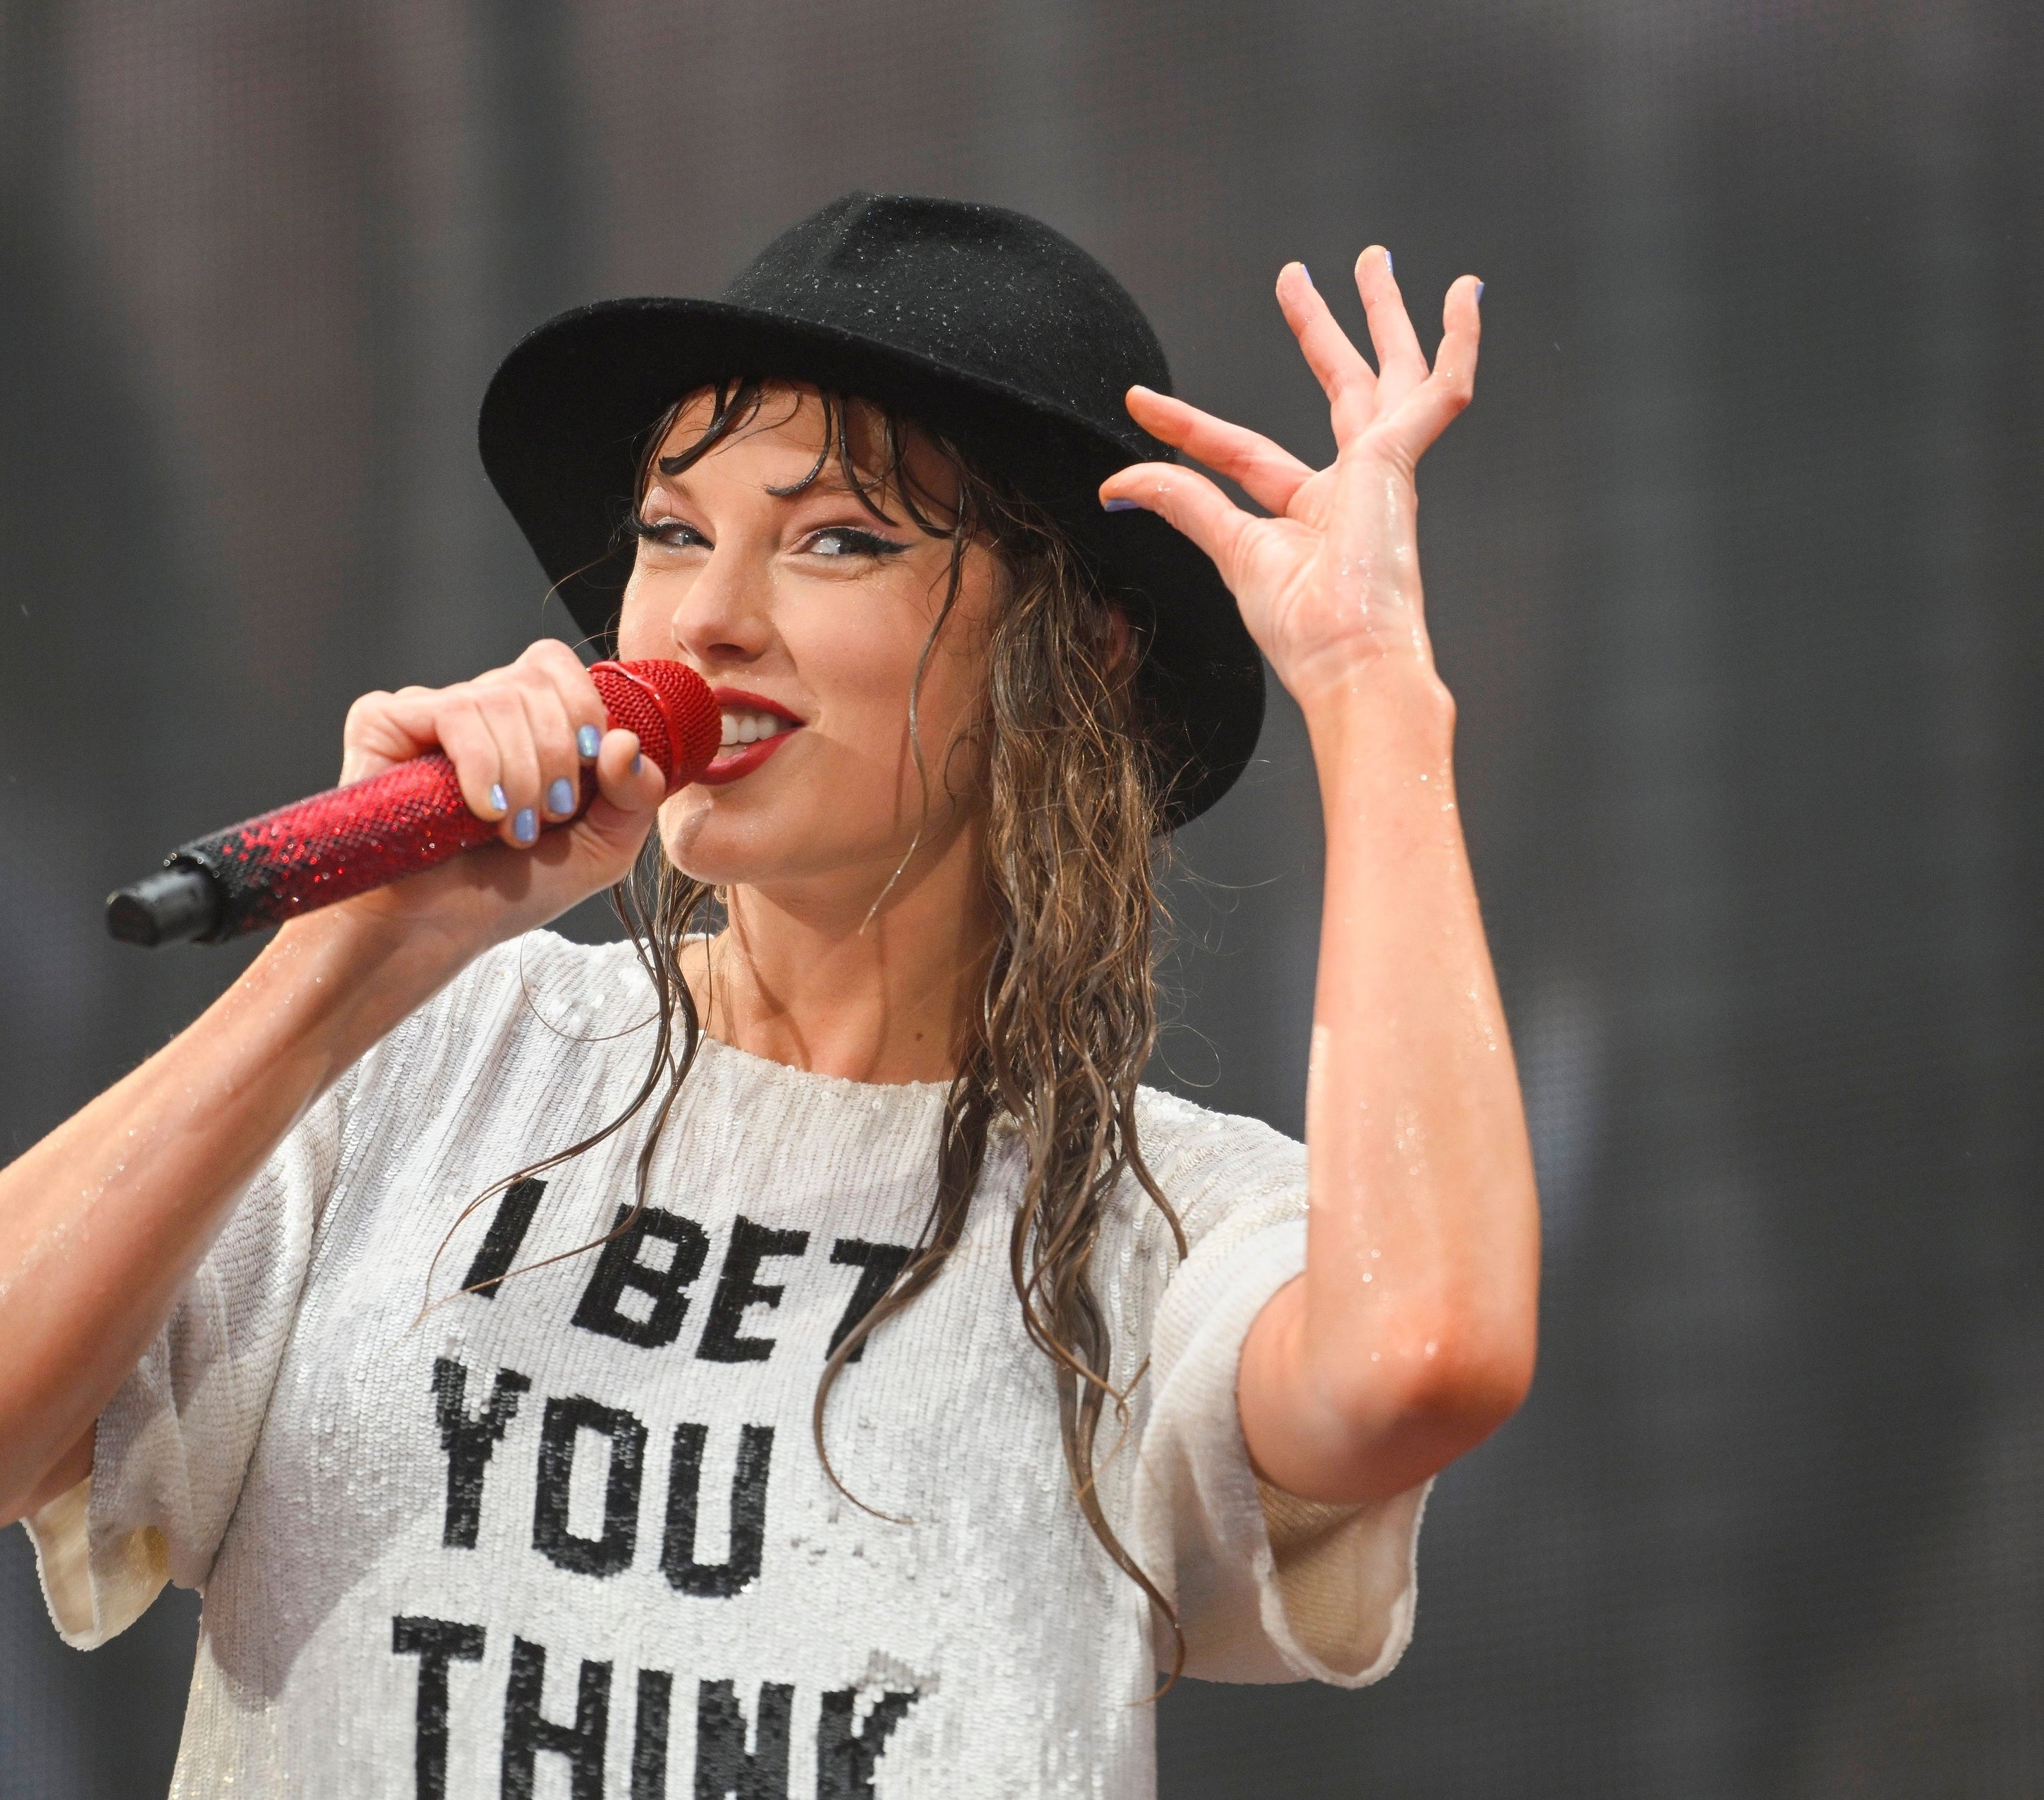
947 706
645 624
953 691
858 661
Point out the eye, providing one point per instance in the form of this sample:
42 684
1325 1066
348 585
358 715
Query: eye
849 540
670 532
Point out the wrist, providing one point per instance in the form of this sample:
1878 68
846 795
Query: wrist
1386 702
345 977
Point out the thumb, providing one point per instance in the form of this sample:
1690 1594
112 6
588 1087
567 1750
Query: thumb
1191 504
629 790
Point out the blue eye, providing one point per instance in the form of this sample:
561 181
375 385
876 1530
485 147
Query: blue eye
673 533
848 540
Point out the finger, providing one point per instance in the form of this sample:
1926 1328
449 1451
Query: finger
1345 377
555 662
464 736
628 788
374 737
1401 364
1268 474
552 662
383 729
502 708
628 783
554 748
1192 504
1429 409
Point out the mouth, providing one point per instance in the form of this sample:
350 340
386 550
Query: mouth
754 728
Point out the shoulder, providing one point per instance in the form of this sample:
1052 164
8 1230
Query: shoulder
1212 1165
1190 1137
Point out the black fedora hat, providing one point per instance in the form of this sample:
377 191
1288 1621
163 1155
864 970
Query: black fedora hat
982 325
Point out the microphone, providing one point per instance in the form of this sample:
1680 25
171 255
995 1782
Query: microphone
348 840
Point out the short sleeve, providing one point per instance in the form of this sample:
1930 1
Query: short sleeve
173 1443
1268 1587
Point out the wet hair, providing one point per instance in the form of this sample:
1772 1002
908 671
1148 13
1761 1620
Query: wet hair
1066 1020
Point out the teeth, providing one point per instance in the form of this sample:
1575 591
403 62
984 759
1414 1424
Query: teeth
750 727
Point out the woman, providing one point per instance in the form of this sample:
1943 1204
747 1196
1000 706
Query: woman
846 1380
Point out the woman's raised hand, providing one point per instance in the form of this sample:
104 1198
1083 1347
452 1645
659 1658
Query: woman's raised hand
1331 580
1411 1335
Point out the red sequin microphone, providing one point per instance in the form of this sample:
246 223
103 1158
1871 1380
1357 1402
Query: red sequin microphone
349 840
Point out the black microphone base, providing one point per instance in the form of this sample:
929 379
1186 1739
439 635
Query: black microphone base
181 904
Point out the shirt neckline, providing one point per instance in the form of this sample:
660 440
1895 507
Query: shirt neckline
789 1073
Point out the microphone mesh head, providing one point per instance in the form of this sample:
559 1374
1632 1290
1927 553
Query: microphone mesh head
648 697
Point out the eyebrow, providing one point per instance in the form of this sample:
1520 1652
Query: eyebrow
829 486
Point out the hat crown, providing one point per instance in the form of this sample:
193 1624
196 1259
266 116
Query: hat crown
990 294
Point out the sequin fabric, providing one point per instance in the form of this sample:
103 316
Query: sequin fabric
568 1533
350 840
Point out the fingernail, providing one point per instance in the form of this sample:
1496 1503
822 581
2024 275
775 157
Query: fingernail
499 800
525 827
638 763
1308 273
560 798
589 740
1122 505
1479 293
1387 263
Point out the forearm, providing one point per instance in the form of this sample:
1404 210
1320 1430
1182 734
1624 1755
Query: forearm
1410 1336
103 1222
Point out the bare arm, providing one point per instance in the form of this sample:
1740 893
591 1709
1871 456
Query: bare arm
1410 1336
103 1222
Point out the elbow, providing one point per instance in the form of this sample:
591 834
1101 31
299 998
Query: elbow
1492 1374
1478 1395
1432 1397
1385 1401
1449 1386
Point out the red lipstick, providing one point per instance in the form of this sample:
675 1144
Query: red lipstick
735 761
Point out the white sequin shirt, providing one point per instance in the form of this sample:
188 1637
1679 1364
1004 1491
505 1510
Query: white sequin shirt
570 1535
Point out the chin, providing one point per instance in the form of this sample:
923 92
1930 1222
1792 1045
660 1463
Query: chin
708 838
705 843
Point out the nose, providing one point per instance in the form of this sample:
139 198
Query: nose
725 617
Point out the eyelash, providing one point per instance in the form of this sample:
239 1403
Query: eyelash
676 534
666 531
860 543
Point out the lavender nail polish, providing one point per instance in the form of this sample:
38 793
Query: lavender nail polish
1388 269
1308 273
1121 505
638 762
525 827
560 797
1479 293
499 800
589 740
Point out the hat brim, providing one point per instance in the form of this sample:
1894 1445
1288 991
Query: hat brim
564 422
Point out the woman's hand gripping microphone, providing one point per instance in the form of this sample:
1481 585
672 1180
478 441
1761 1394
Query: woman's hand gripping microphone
430 773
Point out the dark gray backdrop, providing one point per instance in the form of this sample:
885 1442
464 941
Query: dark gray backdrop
1733 569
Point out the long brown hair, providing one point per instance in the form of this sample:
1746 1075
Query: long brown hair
1066 1020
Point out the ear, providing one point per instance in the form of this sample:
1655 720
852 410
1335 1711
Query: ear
1120 640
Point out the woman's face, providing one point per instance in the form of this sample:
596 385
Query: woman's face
806 615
